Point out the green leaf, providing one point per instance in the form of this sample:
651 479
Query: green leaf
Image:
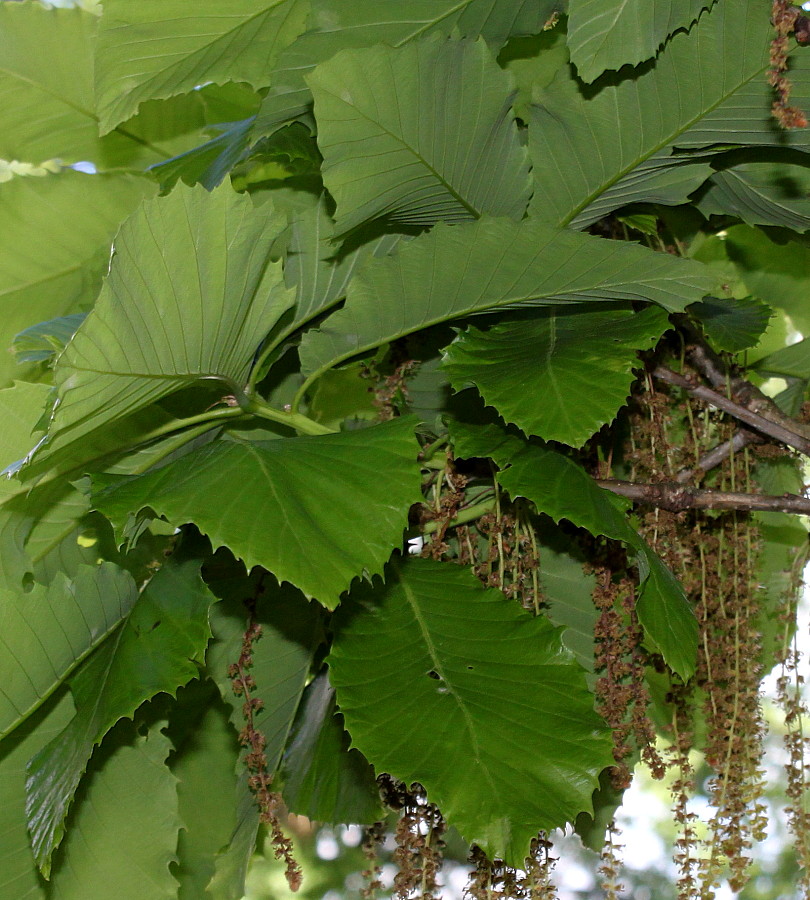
433 671
158 648
47 103
336 25
646 223
19 878
563 490
533 62
314 266
21 409
153 50
45 340
232 862
792 361
732 323
559 488
57 234
707 87
281 657
32 521
775 270
209 163
199 265
608 35
203 766
314 511
56 513
456 270
124 830
568 590
760 193
783 543
343 396
560 375
324 779
419 134
47 632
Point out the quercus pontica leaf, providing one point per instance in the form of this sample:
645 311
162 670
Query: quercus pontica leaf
415 151
47 100
336 25
610 35
47 632
460 270
157 50
559 375
562 490
198 264
158 648
58 230
706 91
453 658
298 510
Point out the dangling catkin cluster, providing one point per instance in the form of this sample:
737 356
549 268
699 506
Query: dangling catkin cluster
790 690
419 840
786 19
259 779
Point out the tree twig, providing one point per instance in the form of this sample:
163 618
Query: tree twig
714 457
776 430
709 364
677 497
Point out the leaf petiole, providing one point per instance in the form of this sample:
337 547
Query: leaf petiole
296 420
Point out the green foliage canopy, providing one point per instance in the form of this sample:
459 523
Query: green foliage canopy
326 249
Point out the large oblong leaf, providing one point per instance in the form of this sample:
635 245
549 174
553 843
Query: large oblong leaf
336 25
291 632
732 323
324 778
313 266
47 104
563 490
561 375
190 296
47 632
158 648
32 521
203 766
792 361
56 232
419 134
708 87
608 35
760 193
315 511
433 671
125 825
456 270
19 877
155 49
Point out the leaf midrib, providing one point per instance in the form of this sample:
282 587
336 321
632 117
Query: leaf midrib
669 140
442 181
86 113
439 669
229 34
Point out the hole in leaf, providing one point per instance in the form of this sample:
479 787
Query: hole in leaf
435 675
